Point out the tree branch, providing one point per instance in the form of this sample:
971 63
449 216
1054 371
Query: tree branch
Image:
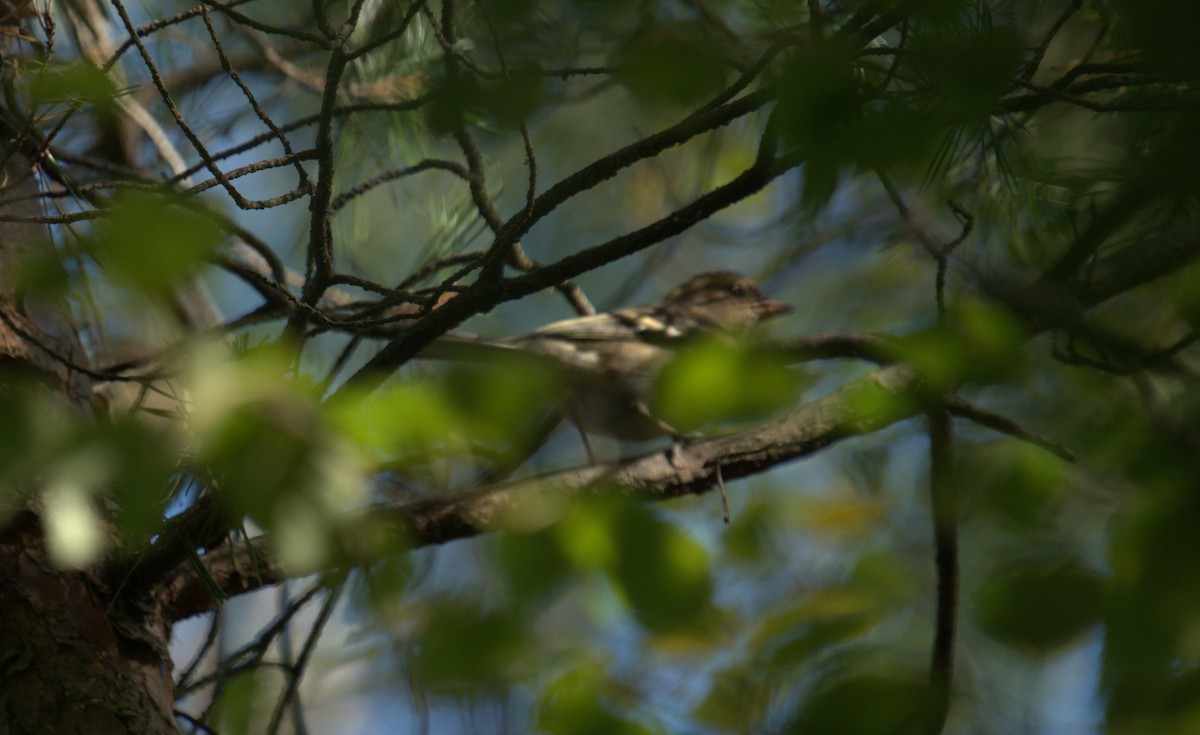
876 400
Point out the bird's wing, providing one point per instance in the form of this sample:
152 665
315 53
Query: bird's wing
623 324
468 348
583 329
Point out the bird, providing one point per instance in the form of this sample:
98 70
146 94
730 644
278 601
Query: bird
609 362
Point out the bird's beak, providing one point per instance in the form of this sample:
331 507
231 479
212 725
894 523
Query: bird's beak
767 308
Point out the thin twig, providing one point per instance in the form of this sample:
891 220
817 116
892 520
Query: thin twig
1006 425
1044 46
944 509
293 685
724 497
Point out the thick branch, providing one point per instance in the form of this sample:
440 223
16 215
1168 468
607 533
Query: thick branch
872 402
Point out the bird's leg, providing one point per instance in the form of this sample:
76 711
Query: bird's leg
678 438
724 497
574 418
587 445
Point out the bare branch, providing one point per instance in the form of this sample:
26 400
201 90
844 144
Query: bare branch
959 407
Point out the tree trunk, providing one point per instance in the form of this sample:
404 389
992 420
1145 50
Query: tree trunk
74 656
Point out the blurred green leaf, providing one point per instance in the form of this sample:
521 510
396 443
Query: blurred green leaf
75 533
604 11
978 343
661 572
869 705
1185 293
72 83
847 515
587 533
1151 648
504 12
1018 484
506 101
450 98
827 111
673 63
739 699
713 381
151 242
34 426
884 578
1039 607
44 273
820 103
145 462
505 400
465 649
381 585
264 451
749 536
534 565
242 703
791 635
401 419
577 703
873 401
274 454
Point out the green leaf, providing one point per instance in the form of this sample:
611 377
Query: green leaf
738 701
507 101
884 578
534 564
401 419
263 453
820 101
152 242
577 703
869 705
587 534
505 400
274 455
1039 607
790 636
464 648
714 381
675 63
662 572
1018 485
74 530
240 702
381 586
749 537
979 342
71 84
144 458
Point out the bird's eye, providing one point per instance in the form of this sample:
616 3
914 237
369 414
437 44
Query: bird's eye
735 289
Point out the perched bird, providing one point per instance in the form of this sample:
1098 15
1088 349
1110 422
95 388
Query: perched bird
610 361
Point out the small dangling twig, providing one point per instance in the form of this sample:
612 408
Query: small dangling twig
724 497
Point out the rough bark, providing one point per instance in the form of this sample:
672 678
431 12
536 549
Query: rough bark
74 657
72 661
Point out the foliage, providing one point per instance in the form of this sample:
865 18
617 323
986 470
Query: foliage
993 204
